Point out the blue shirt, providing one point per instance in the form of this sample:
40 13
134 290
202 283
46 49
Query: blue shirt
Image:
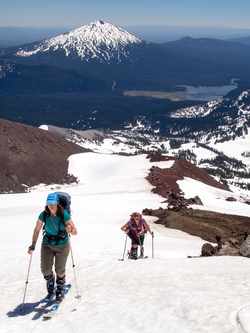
51 229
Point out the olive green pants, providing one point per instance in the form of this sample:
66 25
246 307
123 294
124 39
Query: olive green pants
49 254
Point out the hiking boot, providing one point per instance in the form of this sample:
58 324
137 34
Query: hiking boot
59 293
134 253
130 253
50 283
60 288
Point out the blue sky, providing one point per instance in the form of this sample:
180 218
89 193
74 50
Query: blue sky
76 13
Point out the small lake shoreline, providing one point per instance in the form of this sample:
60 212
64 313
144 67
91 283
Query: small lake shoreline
192 93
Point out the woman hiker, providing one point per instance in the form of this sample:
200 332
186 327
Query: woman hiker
136 229
55 245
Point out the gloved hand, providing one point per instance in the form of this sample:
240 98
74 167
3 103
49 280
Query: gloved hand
32 247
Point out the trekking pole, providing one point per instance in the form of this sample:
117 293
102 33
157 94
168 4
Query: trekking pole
125 247
139 239
73 265
152 245
27 280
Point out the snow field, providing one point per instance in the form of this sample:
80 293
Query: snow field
169 293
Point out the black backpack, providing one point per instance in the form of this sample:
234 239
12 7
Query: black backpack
65 201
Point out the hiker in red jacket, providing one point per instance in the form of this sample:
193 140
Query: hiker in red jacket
136 228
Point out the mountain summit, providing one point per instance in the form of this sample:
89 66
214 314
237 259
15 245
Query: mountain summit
98 40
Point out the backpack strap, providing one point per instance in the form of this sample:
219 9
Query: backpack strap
54 223
59 232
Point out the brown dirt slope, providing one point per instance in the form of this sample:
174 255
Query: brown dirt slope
199 223
164 180
30 156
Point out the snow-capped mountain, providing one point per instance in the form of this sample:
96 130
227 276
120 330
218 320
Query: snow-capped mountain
114 55
98 40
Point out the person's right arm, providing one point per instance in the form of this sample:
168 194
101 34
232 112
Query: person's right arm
125 228
36 232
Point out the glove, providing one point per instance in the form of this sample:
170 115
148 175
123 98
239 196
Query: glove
32 247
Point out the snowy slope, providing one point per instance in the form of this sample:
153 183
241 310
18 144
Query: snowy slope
130 142
169 293
98 39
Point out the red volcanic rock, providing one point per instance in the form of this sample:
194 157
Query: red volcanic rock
165 180
176 215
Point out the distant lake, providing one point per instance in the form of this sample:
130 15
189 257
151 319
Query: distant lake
192 93
207 93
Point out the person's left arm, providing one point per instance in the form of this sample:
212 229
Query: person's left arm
148 228
70 227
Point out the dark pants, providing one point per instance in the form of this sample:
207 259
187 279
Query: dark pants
136 239
49 254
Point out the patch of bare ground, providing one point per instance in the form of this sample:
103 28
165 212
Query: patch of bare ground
30 156
173 96
204 224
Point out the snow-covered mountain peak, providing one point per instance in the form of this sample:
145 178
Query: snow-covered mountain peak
104 33
98 39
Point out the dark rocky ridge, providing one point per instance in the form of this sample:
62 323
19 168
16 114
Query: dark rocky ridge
30 156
